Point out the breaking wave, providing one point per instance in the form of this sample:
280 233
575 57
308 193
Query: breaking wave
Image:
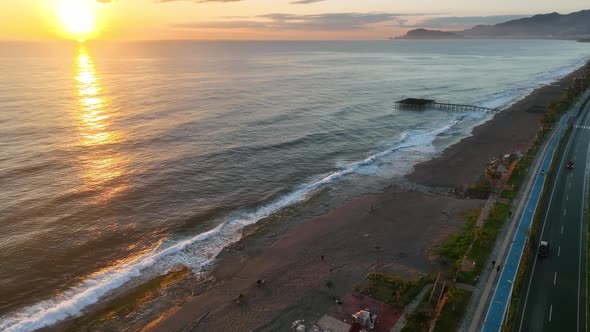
195 252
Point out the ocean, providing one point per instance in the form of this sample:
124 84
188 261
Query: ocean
122 161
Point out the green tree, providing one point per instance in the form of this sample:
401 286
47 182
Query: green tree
492 174
480 235
453 296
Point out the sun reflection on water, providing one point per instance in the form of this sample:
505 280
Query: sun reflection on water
103 165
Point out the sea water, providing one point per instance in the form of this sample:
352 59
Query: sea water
121 161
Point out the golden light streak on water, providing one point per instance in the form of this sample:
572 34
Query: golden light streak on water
102 163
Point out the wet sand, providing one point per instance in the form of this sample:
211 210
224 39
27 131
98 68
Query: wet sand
392 231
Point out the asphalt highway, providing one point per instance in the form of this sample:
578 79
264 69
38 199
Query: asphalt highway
554 297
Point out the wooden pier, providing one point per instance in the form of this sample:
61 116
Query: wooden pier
421 104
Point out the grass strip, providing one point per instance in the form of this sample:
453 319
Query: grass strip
450 316
455 247
393 290
419 320
484 241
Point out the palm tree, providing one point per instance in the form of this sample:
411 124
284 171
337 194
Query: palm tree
492 174
480 235
398 292
547 121
453 295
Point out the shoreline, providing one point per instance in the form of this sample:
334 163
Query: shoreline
509 131
355 237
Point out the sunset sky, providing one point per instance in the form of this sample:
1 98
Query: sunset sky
255 19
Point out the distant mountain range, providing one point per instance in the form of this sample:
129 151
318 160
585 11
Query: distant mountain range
545 26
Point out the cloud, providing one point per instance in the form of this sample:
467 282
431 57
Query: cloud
294 2
223 25
318 22
196 1
304 2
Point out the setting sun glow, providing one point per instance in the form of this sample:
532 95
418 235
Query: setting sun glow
78 18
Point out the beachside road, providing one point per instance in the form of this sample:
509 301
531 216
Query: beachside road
555 290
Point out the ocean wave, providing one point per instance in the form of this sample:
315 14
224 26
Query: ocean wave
551 76
507 98
195 252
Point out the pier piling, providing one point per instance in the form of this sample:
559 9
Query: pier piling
420 104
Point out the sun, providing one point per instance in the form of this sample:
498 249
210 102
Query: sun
77 18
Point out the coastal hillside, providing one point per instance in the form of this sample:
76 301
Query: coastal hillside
431 34
545 26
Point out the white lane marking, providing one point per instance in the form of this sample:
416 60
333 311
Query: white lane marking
561 229
567 197
564 212
558 251
550 312
554 278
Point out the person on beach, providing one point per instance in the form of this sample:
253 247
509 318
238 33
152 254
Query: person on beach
498 268
323 258
493 264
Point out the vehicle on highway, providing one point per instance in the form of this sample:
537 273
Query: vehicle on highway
570 165
544 249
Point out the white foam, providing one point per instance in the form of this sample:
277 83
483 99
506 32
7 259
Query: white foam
560 72
507 98
195 252
408 139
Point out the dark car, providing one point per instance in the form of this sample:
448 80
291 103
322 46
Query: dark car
570 165
544 249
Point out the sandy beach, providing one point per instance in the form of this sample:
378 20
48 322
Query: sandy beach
509 131
391 231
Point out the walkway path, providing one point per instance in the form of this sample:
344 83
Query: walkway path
401 322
